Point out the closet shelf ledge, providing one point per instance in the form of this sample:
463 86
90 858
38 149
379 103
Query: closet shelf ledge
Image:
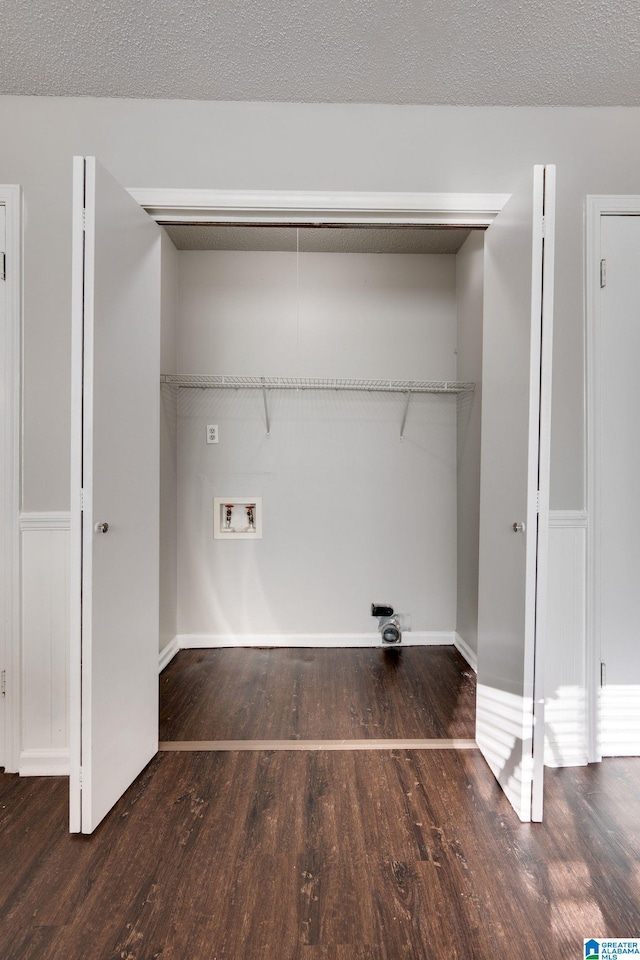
220 382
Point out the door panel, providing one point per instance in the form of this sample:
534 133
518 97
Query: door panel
617 483
510 634
4 520
116 370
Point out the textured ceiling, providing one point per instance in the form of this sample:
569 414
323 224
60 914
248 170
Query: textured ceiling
317 239
529 52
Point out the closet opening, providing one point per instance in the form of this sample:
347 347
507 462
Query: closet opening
360 499
324 380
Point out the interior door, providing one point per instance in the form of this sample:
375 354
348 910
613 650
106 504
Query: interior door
4 520
115 500
617 477
514 490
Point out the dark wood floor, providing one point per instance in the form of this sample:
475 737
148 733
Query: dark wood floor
320 855
374 855
302 694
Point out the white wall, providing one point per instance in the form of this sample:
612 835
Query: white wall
351 514
290 146
469 286
335 315
168 448
297 146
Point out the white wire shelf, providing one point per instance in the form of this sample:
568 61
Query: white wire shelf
197 381
219 382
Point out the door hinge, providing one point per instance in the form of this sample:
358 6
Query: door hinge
84 221
81 500
537 501
3 265
80 777
603 273
603 674
3 682
544 227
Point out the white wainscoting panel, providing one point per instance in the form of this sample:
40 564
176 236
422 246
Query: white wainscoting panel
45 644
45 630
565 673
620 720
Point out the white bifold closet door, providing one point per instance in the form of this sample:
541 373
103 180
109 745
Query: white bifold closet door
115 499
514 490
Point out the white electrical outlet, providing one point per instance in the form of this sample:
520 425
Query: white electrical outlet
212 433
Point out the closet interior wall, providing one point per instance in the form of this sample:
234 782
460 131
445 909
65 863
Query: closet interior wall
351 513
168 447
469 293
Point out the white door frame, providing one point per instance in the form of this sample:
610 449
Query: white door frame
10 629
289 207
598 206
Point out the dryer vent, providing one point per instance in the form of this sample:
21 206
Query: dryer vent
390 631
388 624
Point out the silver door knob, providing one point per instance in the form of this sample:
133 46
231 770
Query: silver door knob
101 527
518 528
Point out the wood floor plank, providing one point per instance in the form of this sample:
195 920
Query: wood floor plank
310 694
321 855
339 952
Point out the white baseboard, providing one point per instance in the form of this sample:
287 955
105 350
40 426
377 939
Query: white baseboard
463 647
167 654
52 762
410 638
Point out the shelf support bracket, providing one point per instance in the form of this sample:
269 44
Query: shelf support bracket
266 411
404 418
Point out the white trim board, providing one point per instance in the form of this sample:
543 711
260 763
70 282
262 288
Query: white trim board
597 206
202 641
167 654
192 746
195 641
317 208
11 199
566 519
55 520
465 651
45 762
